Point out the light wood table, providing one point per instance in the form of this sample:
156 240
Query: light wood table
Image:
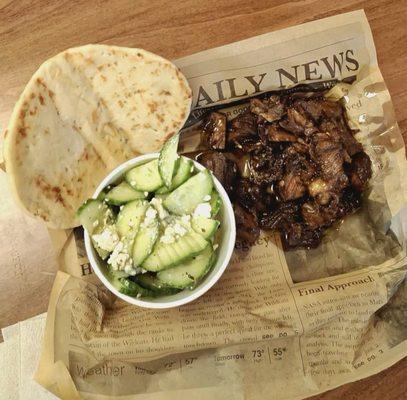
32 31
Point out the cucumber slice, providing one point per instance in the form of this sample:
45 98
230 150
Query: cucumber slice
166 255
186 197
94 214
189 273
145 178
161 196
126 286
123 193
150 281
215 202
103 254
102 194
168 160
205 226
183 173
144 242
130 216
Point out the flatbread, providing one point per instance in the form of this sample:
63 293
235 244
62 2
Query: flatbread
84 112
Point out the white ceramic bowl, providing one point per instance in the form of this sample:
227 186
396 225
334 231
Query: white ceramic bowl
227 236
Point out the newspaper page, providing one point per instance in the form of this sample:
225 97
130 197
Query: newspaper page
277 325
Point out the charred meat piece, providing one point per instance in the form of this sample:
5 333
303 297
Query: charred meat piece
299 171
317 109
271 109
265 165
243 129
223 168
280 216
296 122
275 134
298 235
316 215
330 155
312 216
342 133
360 171
299 147
250 195
291 187
350 201
299 163
214 130
247 227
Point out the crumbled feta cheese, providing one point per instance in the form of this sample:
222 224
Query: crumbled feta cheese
167 239
168 236
179 229
207 197
169 231
203 210
215 246
157 204
95 223
175 228
134 270
186 220
120 259
121 208
107 239
151 213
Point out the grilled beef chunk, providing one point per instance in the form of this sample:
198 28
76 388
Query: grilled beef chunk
297 123
330 156
275 134
279 217
243 130
251 195
271 109
247 227
312 215
265 165
299 235
223 168
342 133
291 186
300 167
360 171
214 130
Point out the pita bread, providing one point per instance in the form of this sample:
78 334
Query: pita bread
83 112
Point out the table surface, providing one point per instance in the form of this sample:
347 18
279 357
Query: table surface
32 31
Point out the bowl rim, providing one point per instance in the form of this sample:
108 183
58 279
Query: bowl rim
204 286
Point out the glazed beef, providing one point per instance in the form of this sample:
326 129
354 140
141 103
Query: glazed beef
247 227
360 171
291 164
214 130
271 109
223 168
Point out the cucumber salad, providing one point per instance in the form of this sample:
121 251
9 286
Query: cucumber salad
155 230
